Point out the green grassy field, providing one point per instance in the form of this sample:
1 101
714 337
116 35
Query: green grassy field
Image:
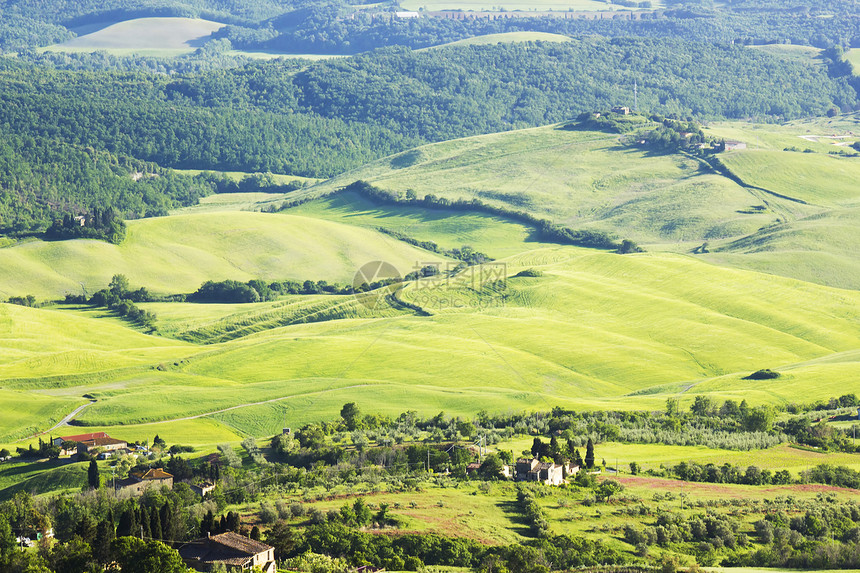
792 52
853 56
178 253
584 179
144 36
495 236
595 331
820 248
507 38
626 332
800 176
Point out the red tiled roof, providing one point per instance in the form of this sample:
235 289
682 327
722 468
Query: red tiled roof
84 437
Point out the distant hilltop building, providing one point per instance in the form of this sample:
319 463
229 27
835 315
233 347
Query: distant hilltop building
731 145
621 109
406 15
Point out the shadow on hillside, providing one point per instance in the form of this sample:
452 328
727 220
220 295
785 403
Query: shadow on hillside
512 512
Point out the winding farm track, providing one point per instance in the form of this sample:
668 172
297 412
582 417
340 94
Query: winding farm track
78 410
62 422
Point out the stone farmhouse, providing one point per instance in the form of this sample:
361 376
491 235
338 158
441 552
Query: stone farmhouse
236 552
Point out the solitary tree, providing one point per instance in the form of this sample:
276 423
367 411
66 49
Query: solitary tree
589 454
350 414
93 477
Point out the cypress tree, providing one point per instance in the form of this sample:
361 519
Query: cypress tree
93 477
589 454
155 524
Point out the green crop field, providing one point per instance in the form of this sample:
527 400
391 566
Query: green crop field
144 36
178 253
819 248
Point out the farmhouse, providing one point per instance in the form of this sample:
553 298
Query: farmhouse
106 444
79 438
203 488
235 552
731 145
535 470
621 109
140 482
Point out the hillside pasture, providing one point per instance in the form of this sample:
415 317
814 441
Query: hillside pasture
583 179
144 36
815 178
792 52
498 237
820 248
178 253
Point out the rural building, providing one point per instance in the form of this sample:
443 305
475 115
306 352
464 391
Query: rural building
203 488
106 444
731 145
140 482
621 109
236 552
78 438
536 470
407 14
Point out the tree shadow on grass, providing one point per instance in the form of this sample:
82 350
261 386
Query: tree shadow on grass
512 512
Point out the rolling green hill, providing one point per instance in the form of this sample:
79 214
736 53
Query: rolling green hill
820 248
178 253
150 36
594 331
580 178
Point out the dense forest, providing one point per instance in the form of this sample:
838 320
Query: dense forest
282 117
44 181
339 26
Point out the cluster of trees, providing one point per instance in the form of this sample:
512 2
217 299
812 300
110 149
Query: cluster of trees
547 230
466 253
98 224
532 512
411 552
711 531
727 473
326 29
826 536
120 298
45 182
562 451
